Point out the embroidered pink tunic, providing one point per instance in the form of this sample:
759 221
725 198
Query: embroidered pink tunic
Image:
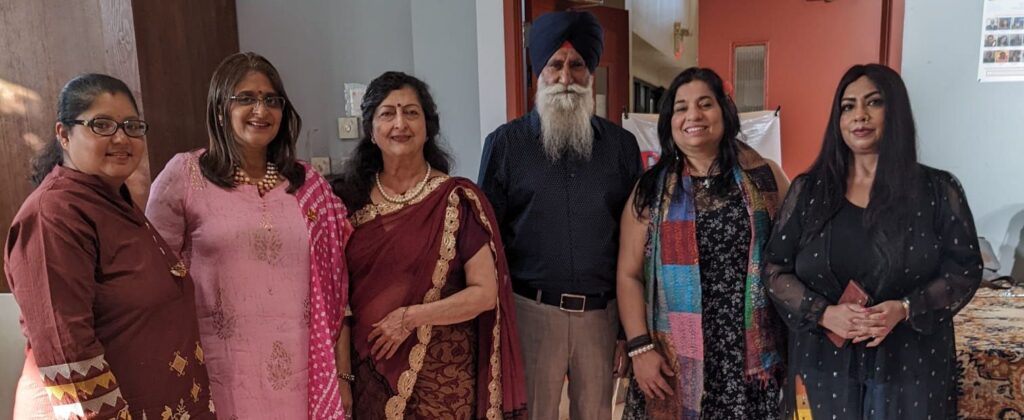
250 258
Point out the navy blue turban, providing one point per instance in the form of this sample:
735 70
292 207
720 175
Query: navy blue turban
551 30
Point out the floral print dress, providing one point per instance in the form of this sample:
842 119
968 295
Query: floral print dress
723 238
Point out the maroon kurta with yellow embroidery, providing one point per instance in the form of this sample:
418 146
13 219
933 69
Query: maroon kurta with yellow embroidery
111 332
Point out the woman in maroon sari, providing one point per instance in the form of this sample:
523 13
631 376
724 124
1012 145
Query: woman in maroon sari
432 324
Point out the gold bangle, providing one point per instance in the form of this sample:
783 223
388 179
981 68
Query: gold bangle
402 322
906 308
347 377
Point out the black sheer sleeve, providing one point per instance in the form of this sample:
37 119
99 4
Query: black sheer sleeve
799 306
960 269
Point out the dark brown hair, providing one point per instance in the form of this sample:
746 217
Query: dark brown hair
672 159
357 179
75 98
218 162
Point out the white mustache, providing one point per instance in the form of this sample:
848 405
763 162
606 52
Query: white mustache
559 88
563 96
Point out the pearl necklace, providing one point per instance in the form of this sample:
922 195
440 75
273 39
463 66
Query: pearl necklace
263 185
406 196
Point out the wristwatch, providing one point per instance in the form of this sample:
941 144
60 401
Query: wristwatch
906 308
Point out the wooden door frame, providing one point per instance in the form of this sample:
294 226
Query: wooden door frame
517 88
515 64
890 49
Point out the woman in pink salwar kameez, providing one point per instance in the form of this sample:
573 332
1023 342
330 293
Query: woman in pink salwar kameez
264 239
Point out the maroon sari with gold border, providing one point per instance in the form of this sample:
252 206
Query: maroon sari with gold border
402 255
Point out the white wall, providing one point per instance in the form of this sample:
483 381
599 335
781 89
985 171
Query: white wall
490 53
971 129
318 45
445 55
12 351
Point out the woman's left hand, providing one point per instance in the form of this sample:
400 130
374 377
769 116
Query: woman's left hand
388 334
881 319
345 387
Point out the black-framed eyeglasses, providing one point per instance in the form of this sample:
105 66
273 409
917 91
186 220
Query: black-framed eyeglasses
107 126
272 102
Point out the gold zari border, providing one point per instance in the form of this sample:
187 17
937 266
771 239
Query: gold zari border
494 388
395 408
396 405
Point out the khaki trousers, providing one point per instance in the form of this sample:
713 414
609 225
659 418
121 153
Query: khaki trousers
581 345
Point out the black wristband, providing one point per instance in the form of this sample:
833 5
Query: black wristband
639 341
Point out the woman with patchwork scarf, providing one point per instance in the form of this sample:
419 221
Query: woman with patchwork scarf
689 272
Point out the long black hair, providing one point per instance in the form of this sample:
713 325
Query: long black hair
672 158
897 174
218 162
897 171
76 97
366 161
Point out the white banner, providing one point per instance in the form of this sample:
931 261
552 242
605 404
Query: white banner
761 130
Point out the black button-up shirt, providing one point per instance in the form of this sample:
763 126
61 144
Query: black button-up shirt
560 220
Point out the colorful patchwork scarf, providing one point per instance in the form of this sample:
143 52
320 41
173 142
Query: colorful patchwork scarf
673 286
329 231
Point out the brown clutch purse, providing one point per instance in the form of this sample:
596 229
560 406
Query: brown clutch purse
853 294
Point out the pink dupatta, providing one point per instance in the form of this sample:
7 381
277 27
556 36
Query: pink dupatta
326 219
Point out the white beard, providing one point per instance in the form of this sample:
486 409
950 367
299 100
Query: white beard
565 113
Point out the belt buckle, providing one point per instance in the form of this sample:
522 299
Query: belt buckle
561 302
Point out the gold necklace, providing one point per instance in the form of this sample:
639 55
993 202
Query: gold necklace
406 196
263 185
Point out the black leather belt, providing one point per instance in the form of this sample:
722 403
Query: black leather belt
569 302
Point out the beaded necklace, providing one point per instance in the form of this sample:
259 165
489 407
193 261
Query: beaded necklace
263 185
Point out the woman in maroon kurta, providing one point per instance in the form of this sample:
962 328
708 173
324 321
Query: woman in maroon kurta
107 308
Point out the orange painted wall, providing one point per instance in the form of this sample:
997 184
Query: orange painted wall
810 45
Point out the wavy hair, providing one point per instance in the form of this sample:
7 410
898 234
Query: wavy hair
357 179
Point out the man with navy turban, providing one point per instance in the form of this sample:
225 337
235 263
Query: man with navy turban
558 178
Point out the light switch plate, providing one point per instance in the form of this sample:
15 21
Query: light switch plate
322 164
348 128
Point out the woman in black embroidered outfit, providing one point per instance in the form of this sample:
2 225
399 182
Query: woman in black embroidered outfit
868 211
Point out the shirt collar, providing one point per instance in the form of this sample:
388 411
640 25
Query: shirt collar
93 182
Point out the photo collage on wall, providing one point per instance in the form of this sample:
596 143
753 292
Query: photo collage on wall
1002 41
